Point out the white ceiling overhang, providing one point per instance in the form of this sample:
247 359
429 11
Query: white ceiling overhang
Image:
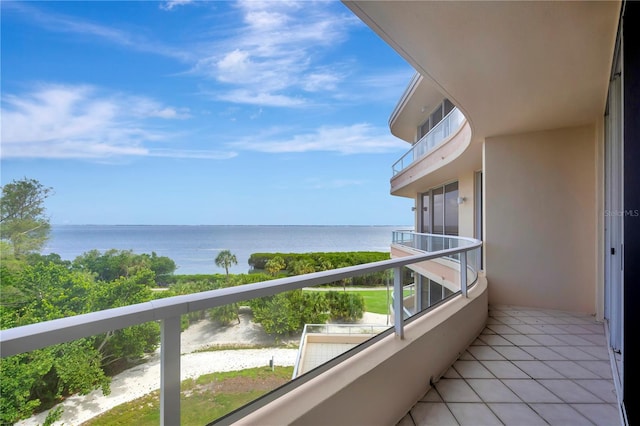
511 67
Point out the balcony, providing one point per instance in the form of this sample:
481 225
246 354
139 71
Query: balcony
401 356
445 128
438 157
528 367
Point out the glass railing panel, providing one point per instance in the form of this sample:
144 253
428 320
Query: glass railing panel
473 265
91 376
218 344
449 124
228 359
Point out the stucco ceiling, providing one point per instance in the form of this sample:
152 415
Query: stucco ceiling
510 66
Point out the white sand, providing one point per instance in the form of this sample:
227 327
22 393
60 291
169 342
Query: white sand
145 378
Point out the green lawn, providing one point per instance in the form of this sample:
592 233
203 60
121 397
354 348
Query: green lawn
375 301
203 400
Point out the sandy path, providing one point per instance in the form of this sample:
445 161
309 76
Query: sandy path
145 378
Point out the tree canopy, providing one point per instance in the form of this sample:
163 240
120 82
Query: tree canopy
225 259
23 221
113 264
45 288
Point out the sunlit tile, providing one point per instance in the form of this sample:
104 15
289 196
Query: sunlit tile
543 353
573 353
493 390
472 370
530 391
431 396
432 413
560 415
513 353
495 340
505 370
534 320
551 329
521 340
568 391
547 340
603 389
484 353
538 370
601 368
517 415
571 370
451 374
511 320
466 356
456 390
474 414
600 414
574 339
406 421
502 329
526 329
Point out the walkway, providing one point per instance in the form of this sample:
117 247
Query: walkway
528 367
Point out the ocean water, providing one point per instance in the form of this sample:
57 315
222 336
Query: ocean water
194 248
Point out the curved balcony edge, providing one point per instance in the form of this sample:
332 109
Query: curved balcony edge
439 164
442 132
380 384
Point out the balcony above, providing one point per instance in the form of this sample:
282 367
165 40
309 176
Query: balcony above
413 108
439 156
442 132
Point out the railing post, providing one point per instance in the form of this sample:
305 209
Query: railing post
417 296
170 371
463 273
398 311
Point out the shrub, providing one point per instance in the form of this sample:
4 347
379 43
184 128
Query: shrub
345 306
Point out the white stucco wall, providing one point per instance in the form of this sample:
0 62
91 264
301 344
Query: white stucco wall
541 219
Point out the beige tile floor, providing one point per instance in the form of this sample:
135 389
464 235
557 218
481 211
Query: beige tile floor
528 367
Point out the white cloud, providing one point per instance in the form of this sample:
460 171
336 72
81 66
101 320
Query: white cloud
315 82
355 139
66 121
274 58
61 23
261 98
171 4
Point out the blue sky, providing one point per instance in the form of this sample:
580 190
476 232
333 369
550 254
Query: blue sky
194 112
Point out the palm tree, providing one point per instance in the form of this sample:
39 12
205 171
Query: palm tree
225 259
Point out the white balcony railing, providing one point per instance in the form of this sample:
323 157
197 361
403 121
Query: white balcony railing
449 124
169 311
452 271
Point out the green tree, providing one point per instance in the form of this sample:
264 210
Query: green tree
22 215
324 264
38 379
301 267
163 267
288 312
113 264
275 265
225 259
47 290
226 314
345 306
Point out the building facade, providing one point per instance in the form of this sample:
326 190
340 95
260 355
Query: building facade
543 166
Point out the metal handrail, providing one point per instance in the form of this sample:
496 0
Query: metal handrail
168 311
451 122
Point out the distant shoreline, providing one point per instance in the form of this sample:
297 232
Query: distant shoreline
264 226
194 247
